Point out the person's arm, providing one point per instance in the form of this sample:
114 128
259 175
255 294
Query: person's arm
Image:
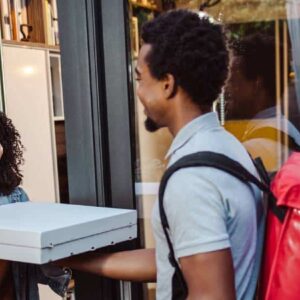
209 276
6 281
197 220
133 265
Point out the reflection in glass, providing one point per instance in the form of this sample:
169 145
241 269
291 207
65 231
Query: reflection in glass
261 103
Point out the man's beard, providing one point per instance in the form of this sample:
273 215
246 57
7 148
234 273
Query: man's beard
150 125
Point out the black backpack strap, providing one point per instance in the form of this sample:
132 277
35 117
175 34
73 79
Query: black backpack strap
207 159
261 170
278 211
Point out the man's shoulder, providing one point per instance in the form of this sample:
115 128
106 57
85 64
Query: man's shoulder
228 146
202 175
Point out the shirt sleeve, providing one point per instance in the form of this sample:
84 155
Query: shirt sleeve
23 196
196 214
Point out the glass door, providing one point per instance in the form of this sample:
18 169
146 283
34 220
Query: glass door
259 104
121 163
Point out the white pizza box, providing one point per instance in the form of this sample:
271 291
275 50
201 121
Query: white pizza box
43 232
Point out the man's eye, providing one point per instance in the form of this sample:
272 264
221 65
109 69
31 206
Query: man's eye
138 79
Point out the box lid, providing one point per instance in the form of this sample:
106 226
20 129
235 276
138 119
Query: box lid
45 225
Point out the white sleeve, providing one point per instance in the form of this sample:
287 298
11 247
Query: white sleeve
196 214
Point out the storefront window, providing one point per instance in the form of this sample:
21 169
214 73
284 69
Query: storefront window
260 102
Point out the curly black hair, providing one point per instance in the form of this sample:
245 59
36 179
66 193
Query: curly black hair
192 49
12 158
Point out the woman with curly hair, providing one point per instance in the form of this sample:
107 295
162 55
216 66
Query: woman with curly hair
18 281
11 158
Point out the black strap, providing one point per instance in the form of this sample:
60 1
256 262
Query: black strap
202 159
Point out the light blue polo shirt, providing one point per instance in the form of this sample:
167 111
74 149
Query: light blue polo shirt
208 209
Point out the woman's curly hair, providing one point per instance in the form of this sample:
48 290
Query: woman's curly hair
12 158
192 49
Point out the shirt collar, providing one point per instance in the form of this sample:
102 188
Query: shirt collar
201 123
266 113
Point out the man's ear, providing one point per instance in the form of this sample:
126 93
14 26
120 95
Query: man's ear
169 86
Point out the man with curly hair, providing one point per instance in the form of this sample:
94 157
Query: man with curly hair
212 216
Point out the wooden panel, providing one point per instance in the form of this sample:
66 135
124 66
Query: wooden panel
33 45
35 15
14 21
5 19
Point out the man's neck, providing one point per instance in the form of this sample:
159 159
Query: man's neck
183 113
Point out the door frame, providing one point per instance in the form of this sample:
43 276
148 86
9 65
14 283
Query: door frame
99 126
